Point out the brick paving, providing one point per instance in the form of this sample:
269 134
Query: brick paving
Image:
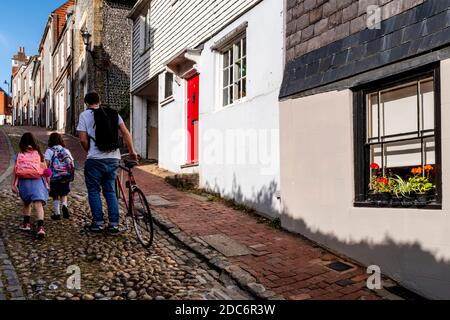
284 263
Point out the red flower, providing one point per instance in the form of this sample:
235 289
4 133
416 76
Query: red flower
374 166
385 181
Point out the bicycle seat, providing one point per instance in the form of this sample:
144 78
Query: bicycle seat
130 164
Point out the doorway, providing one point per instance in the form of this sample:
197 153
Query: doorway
152 131
193 90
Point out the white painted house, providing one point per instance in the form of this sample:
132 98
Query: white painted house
205 84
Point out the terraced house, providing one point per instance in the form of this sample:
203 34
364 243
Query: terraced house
22 88
205 83
19 62
62 57
364 125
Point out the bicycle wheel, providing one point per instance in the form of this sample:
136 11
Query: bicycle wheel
142 218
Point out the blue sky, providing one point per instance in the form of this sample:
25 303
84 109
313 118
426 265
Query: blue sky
21 25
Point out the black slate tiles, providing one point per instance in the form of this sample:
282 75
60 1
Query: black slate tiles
421 29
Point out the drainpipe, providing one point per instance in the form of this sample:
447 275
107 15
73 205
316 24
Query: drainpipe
72 95
131 84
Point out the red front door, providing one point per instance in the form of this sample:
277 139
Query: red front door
193 87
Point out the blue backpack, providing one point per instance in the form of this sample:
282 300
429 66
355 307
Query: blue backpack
62 166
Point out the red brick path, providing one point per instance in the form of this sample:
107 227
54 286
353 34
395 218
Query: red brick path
282 262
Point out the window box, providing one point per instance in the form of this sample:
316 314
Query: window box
397 141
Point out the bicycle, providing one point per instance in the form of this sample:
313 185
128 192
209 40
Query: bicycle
135 202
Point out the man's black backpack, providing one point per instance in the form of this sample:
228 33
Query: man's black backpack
106 129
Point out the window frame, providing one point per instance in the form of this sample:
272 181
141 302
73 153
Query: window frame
147 29
170 96
362 154
230 48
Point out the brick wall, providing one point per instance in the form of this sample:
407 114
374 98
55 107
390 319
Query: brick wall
312 24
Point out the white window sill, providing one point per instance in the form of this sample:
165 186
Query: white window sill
234 104
166 101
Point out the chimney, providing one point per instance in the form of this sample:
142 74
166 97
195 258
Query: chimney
18 60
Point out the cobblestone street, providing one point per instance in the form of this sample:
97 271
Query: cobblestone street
114 268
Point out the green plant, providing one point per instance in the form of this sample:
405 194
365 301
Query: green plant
276 223
400 187
420 181
420 184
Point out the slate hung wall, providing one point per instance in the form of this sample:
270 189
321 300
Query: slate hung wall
328 41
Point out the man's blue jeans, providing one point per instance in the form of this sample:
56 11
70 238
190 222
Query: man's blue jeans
101 175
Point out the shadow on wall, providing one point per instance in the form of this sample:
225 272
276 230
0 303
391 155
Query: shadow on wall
414 267
263 201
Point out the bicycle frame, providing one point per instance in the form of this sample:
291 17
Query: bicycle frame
145 217
128 185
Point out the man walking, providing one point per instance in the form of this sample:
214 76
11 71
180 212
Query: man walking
98 130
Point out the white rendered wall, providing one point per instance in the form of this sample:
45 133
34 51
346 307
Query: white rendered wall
172 127
317 185
239 146
139 124
246 170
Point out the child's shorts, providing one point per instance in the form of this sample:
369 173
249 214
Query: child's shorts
59 189
33 190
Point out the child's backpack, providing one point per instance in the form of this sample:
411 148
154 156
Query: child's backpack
28 165
62 166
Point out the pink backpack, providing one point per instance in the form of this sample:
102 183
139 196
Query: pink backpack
28 165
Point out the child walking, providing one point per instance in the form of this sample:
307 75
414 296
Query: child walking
30 183
60 161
